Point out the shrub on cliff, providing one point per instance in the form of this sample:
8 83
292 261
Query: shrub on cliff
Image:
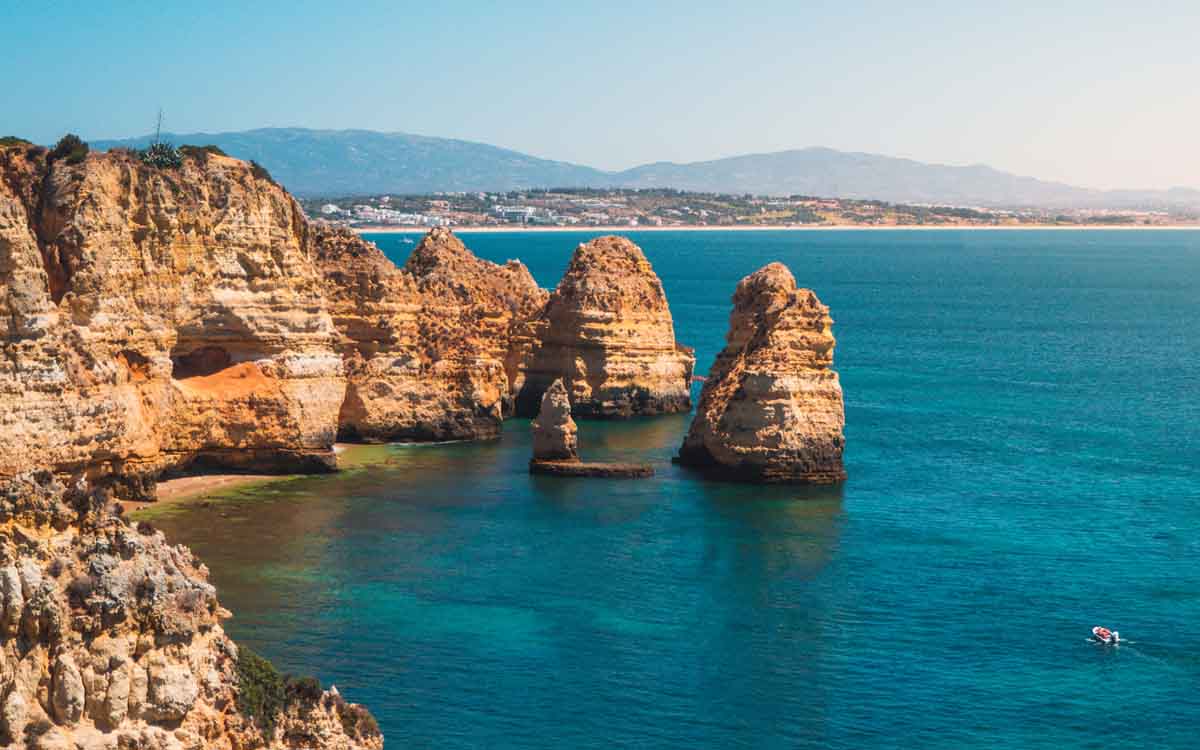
71 148
9 141
262 691
162 156
201 153
260 172
357 721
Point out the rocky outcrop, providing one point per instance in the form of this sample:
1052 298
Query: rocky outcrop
425 346
555 437
112 638
556 444
771 407
155 318
164 321
607 332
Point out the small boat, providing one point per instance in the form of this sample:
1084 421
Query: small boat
407 241
1104 635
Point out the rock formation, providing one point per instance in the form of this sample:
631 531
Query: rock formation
155 318
771 408
159 321
556 445
472 311
555 437
111 638
607 332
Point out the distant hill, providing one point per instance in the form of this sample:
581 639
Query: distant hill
350 162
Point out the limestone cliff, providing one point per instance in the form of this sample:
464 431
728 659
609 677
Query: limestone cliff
111 638
771 408
472 311
607 332
158 321
555 436
155 318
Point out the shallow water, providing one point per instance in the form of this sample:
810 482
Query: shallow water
1023 445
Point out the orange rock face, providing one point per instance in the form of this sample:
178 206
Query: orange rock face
607 332
771 409
158 321
124 284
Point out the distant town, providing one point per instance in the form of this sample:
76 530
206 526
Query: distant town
671 208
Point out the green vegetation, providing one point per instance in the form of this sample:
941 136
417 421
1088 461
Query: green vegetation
357 721
201 153
262 691
70 148
260 172
8 141
162 156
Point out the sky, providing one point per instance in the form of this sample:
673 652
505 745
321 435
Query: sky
1100 94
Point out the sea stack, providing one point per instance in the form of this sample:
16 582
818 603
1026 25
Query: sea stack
110 637
607 332
556 447
555 437
771 409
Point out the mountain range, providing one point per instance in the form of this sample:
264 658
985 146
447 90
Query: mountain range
365 162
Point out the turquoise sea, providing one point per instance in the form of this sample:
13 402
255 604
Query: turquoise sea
1023 447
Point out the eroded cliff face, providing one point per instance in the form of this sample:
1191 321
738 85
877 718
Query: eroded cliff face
159 321
111 638
159 317
472 311
607 332
771 409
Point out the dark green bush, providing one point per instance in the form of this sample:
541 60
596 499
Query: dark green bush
262 693
357 721
305 689
260 172
71 148
11 140
201 153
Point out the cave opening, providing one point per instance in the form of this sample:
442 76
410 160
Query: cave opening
207 360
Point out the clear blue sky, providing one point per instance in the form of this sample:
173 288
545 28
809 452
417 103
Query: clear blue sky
1098 93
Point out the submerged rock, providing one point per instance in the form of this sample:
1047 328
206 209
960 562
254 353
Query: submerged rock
607 332
136 657
771 408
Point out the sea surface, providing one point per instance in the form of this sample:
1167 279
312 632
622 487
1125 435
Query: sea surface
1023 449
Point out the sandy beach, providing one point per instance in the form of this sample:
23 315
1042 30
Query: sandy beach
200 486
616 229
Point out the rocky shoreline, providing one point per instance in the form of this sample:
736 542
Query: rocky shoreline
112 638
163 323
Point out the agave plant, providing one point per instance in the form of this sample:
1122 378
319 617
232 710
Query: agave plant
162 155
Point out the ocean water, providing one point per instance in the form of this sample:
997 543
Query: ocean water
1023 447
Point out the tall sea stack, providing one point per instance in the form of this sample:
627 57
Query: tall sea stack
771 409
607 332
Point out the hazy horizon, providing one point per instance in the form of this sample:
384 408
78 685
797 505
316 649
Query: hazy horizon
1090 95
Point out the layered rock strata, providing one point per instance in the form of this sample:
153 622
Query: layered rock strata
158 317
164 321
111 638
556 444
607 332
555 436
771 408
